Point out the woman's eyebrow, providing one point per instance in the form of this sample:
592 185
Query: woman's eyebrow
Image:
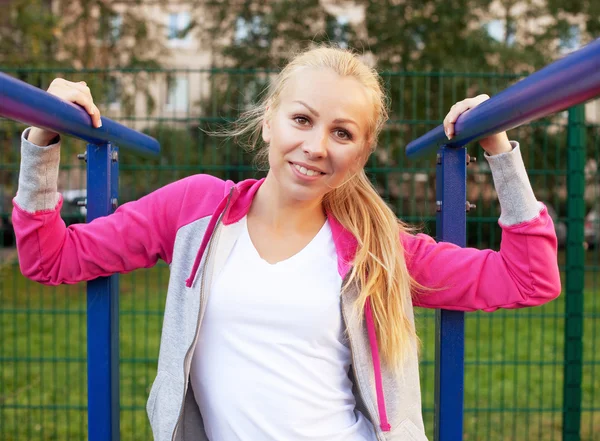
345 120
308 107
336 121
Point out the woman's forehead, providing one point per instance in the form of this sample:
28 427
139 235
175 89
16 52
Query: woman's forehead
325 90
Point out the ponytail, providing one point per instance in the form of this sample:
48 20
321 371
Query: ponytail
379 265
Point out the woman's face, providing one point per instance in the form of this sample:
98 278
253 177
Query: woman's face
317 135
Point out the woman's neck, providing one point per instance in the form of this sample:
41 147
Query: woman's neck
281 213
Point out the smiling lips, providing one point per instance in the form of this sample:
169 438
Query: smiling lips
307 171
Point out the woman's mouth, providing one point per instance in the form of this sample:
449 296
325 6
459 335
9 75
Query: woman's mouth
306 173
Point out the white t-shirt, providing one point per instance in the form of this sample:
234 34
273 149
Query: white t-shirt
272 359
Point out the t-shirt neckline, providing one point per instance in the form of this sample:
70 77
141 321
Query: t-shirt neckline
297 256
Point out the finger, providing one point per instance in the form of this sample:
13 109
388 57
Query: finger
82 86
461 108
84 100
93 109
96 117
481 98
455 111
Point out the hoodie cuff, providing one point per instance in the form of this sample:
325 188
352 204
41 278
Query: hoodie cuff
38 176
517 201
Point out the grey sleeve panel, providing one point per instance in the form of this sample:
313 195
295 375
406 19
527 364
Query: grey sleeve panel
38 176
517 201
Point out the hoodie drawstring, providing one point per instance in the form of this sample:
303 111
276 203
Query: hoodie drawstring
383 421
209 231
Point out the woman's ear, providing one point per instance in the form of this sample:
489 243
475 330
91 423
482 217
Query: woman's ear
266 126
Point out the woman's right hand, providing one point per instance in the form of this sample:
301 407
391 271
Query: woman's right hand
78 93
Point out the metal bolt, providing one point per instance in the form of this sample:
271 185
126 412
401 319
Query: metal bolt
469 206
82 156
115 203
115 156
82 203
471 159
438 206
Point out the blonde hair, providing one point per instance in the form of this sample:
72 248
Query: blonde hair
379 266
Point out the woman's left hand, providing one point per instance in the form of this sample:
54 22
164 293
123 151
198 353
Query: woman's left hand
493 144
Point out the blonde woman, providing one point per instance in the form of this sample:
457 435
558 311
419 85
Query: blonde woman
289 313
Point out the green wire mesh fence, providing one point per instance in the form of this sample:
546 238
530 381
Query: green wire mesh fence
514 361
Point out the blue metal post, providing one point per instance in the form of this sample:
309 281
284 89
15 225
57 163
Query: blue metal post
25 103
102 305
451 196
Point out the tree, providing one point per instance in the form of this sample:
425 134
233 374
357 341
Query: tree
78 34
27 33
257 34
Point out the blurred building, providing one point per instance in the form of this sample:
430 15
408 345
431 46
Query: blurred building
186 84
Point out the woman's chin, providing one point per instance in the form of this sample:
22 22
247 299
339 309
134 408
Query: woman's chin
305 193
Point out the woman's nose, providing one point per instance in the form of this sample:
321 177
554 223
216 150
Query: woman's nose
317 146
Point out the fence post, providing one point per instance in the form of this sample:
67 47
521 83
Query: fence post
575 274
102 304
451 197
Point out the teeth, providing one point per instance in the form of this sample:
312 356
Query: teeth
306 171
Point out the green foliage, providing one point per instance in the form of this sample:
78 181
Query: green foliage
402 35
256 34
78 34
28 34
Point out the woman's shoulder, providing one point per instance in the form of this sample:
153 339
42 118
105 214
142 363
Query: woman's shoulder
199 186
186 199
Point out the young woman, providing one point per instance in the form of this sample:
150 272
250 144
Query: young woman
289 313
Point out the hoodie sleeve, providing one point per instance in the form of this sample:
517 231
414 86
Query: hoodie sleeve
135 236
523 273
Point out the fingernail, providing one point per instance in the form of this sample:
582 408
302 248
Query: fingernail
447 133
99 124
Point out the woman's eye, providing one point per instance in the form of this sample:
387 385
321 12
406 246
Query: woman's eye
343 134
301 120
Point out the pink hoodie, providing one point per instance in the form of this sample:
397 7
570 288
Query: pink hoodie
523 273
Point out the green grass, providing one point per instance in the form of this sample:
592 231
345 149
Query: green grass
514 362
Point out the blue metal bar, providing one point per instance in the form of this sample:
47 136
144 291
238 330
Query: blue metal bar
451 194
22 102
560 85
102 305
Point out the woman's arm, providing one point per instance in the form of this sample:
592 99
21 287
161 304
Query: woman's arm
525 270
135 236
523 273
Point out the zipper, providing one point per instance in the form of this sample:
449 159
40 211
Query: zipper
201 310
358 382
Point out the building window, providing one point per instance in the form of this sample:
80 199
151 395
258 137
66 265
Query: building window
498 30
338 30
572 40
111 26
113 91
177 93
178 32
251 30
